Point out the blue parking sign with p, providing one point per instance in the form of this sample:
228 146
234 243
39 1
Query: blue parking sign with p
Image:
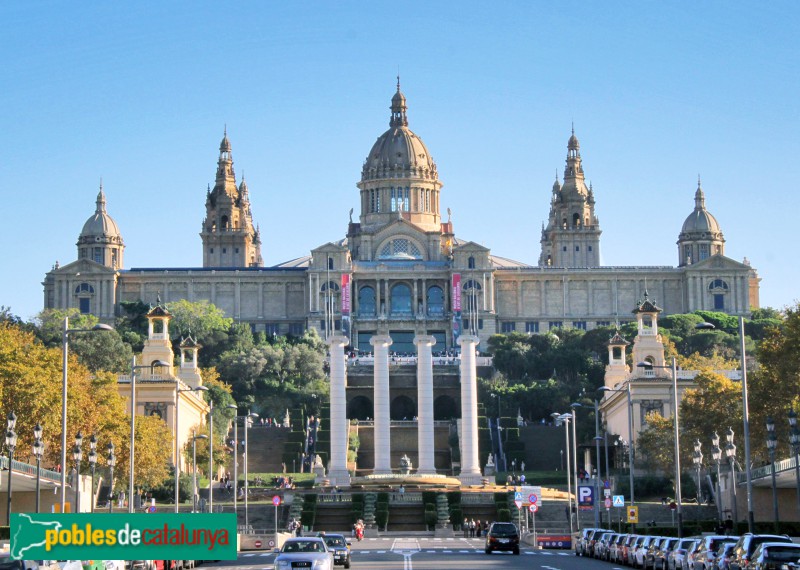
585 496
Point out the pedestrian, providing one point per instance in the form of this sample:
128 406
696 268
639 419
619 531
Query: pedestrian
465 528
472 528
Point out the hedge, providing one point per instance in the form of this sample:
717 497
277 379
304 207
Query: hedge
430 518
381 518
503 515
454 498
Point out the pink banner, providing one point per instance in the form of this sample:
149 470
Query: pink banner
456 291
345 294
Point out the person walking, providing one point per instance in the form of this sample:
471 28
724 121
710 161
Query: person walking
465 527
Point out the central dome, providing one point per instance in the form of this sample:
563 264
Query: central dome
100 225
700 221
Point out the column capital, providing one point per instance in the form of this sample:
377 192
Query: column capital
337 339
381 340
424 340
468 339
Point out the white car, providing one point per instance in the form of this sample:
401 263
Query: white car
305 552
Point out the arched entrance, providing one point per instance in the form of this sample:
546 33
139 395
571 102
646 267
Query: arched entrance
403 408
445 408
360 408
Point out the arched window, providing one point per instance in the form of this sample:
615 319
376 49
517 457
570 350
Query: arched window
224 223
329 285
718 284
471 285
366 301
401 299
400 248
576 220
435 301
84 288
471 262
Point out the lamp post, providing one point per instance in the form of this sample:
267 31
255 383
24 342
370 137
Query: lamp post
745 420
697 459
178 391
678 499
92 464
575 406
38 452
597 455
630 435
194 466
77 456
11 445
112 461
65 332
730 453
565 419
794 439
772 443
211 456
235 409
716 455
248 420
134 368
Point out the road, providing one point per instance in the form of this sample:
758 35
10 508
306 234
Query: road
418 553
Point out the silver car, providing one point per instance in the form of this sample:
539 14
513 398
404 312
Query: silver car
305 552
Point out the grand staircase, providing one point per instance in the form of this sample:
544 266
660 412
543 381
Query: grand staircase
266 449
543 445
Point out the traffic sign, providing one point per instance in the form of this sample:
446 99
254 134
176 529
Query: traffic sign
257 544
517 495
633 515
619 500
585 496
606 493
518 503
607 484
533 508
673 506
276 500
533 498
608 502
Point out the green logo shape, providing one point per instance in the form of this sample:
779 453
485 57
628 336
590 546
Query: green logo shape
104 536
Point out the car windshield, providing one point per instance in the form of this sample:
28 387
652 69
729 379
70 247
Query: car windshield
335 541
303 546
782 553
504 529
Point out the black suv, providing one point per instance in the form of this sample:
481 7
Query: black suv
746 545
502 536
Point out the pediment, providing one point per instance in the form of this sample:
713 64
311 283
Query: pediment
400 227
717 262
471 246
83 266
330 247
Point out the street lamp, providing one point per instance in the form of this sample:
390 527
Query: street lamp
697 459
794 439
565 418
38 453
716 455
112 461
235 409
772 443
678 499
194 465
248 421
597 439
77 456
11 445
575 406
630 433
745 420
134 368
211 456
730 453
93 463
65 332
178 390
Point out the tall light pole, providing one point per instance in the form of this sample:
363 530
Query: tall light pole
745 420
211 456
248 420
38 453
77 456
565 418
112 462
716 455
134 368
772 443
65 332
575 406
236 417
630 435
697 459
730 453
194 466
11 445
794 439
92 464
597 453
178 391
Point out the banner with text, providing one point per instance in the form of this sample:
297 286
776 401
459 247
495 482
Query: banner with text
456 289
346 304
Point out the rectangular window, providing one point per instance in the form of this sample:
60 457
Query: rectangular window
719 302
480 324
224 250
564 248
98 255
603 323
364 346
84 303
532 327
272 329
590 248
579 325
555 325
297 329
703 251
577 248
508 326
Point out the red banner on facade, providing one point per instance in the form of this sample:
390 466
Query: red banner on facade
456 291
345 294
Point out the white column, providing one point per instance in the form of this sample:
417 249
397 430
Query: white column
425 405
383 460
470 466
337 468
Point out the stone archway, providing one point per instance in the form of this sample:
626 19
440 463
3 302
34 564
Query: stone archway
403 408
360 408
445 408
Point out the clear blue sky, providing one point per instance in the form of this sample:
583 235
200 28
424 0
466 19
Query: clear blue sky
139 93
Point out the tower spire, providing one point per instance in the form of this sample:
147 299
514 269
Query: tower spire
399 118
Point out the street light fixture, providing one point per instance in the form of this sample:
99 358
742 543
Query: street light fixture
248 420
772 443
134 368
194 465
11 445
630 433
697 459
38 453
794 439
575 406
65 332
178 391
112 461
77 456
93 463
565 419
745 420
678 498
730 453
716 455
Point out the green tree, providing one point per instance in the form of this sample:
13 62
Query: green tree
205 322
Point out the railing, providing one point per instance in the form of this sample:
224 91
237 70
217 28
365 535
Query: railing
145 377
412 361
477 498
688 374
766 470
403 423
27 469
405 498
335 498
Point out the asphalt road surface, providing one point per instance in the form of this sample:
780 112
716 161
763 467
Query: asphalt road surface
418 553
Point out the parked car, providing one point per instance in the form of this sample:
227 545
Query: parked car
773 555
724 556
677 558
639 555
340 547
583 547
706 551
746 545
617 547
601 545
665 548
304 552
6 563
652 549
501 536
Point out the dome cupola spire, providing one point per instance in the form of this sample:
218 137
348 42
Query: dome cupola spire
399 118
699 196
101 200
